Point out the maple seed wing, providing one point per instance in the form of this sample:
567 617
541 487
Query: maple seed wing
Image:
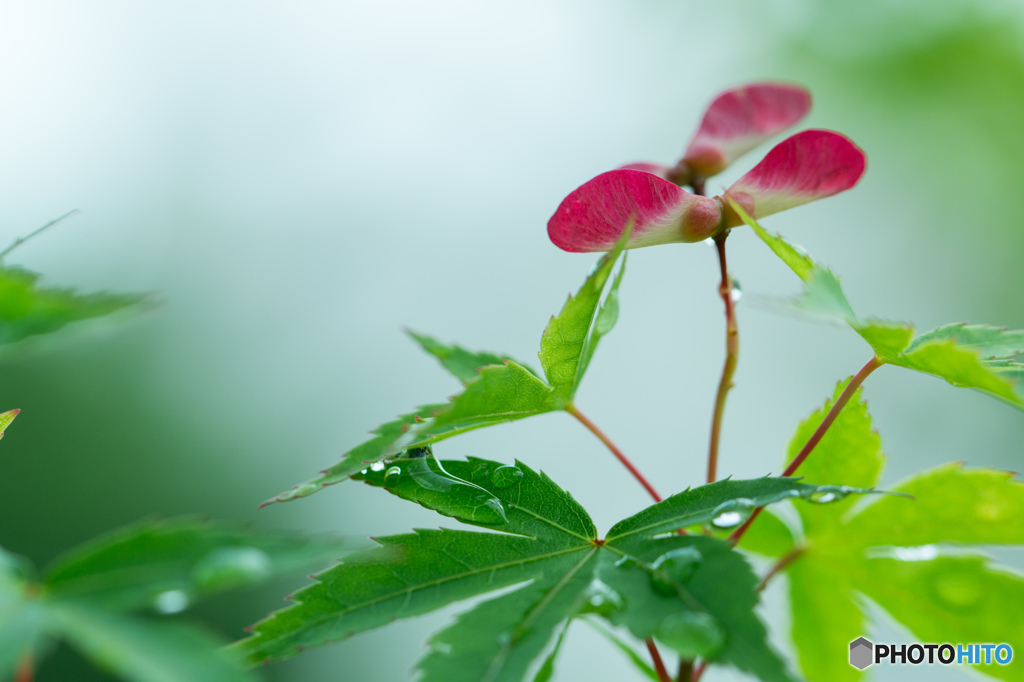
739 120
595 214
810 165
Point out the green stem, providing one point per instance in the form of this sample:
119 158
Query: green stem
659 665
732 356
851 388
592 427
21 240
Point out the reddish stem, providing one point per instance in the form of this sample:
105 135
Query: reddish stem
780 566
592 427
26 669
732 352
659 665
851 388
698 670
685 670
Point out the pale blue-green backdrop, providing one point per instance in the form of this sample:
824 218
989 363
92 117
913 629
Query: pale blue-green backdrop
298 181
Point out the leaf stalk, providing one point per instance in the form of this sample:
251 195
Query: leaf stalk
21 240
592 427
780 566
732 353
819 433
659 665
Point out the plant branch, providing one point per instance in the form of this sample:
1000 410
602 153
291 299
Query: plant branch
780 566
659 665
698 670
592 427
851 388
732 352
21 240
685 670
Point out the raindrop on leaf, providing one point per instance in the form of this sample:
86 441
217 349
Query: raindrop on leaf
171 601
691 634
506 476
827 496
392 475
477 504
602 599
231 566
729 519
673 569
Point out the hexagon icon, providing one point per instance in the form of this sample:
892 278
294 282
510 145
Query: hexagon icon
861 653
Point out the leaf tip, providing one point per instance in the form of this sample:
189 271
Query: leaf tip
269 502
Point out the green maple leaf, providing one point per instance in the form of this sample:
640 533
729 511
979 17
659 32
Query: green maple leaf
912 557
497 389
27 309
693 593
463 364
157 566
143 650
572 336
969 356
131 567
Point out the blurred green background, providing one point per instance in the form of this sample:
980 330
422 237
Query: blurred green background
298 181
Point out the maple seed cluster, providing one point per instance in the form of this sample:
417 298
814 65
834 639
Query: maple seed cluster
810 165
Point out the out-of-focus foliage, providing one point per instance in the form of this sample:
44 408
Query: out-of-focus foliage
28 309
906 553
155 567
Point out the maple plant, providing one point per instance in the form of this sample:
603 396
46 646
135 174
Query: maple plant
677 577
675 585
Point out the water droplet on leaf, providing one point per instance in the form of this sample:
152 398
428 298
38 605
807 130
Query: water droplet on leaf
602 599
506 476
673 569
691 634
455 497
392 475
826 496
377 466
922 553
171 601
729 519
231 566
